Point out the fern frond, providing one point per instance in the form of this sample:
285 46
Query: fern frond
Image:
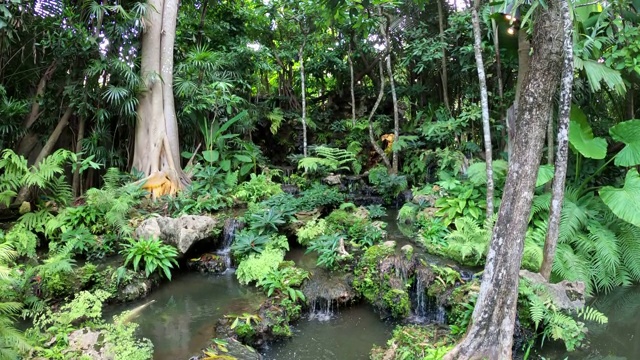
591 314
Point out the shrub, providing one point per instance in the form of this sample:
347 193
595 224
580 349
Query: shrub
258 188
255 267
152 253
311 231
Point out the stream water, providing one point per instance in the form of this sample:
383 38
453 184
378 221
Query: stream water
181 319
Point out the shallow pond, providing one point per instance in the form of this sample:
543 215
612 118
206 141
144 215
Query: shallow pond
182 317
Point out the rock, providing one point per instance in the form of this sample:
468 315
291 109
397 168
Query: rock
138 288
230 348
182 232
566 295
325 289
90 344
407 250
389 243
333 179
209 263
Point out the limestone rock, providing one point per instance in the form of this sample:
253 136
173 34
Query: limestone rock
182 232
567 295
90 344
333 180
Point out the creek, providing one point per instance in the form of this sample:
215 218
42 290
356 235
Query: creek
181 320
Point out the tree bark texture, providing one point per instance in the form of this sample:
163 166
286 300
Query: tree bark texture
560 175
490 335
524 47
156 148
484 100
75 183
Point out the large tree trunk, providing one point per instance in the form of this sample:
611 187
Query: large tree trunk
156 152
560 175
443 74
77 180
490 335
524 47
484 100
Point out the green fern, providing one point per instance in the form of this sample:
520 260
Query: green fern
591 314
332 159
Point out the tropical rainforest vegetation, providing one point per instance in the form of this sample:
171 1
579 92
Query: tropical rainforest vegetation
505 133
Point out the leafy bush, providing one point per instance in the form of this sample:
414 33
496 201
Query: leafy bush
22 240
537 305
388 185
327 248
266 221
154 254
376 211
12 341
255 267
408 213
319 195
311 231
247 242
283 281
258 188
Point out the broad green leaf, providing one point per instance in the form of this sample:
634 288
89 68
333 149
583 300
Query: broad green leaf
225 165
627 132
625 202
211 155
243 158
545 174
581 136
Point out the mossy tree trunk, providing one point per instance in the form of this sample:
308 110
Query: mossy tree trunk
490 335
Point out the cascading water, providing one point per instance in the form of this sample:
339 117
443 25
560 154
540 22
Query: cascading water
231 225
424 309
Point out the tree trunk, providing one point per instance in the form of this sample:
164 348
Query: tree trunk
156 144
560 174
496 46
352 85
524 48
490 335
304 98
25 192
443 74
396 118
372 137
75 184
484 100
29 139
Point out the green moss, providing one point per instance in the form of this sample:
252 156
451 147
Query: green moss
398 302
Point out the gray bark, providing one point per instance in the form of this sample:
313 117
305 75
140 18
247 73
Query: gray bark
156 132
484 99
75 183
560 174
524 47
490 335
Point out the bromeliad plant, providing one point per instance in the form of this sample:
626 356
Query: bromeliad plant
151 253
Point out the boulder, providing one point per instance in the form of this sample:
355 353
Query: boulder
333 179
229 348
183 232
138 288
566 295
329 289
90 344
210 263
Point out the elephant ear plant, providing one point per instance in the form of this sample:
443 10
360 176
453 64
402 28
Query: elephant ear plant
152 254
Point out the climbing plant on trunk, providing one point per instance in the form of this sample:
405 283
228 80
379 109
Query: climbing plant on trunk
156 152
490 335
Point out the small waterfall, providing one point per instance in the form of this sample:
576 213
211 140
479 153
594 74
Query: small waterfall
424 309
322 310
231 225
